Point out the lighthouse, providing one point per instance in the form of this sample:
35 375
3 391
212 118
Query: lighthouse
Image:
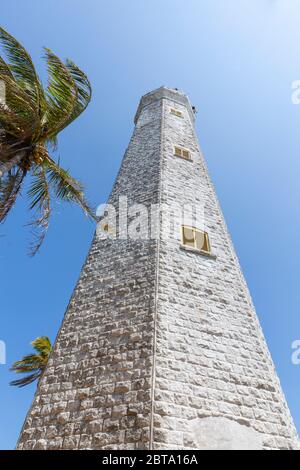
160 346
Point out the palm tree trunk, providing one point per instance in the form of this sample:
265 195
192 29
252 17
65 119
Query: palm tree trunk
7 166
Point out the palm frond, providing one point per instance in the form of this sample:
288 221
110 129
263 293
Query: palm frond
26 380
10 186
42 345
39 195
22 68
38 191
61 95
67 188
14 126
84 90
4 69
32 364
28 364
52 142
17 103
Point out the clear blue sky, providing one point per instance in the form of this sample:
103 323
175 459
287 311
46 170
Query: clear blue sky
236 59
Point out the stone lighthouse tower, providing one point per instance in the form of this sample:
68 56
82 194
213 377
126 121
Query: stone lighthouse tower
160 347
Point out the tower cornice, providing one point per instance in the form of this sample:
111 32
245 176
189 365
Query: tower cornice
165 93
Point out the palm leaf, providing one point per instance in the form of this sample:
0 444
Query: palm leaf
26 380
67 188
61 95
22 68
10 186
52 142
14 125
33 364
39 195
4 69
42 345
28 364
84 90
16 101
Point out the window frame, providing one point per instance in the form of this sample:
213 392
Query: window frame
106 230
195 247
176 112
182 150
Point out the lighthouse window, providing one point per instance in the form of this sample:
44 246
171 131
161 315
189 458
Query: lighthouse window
175 112
104 230
183 153
194 238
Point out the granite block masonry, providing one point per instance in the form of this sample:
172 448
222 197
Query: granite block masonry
160 347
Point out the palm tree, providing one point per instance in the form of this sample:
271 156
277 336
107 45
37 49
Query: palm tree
33 364
31 118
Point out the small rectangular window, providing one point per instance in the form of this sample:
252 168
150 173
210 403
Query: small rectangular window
188 236
183 153
195 238
178 152
106 230
175 112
